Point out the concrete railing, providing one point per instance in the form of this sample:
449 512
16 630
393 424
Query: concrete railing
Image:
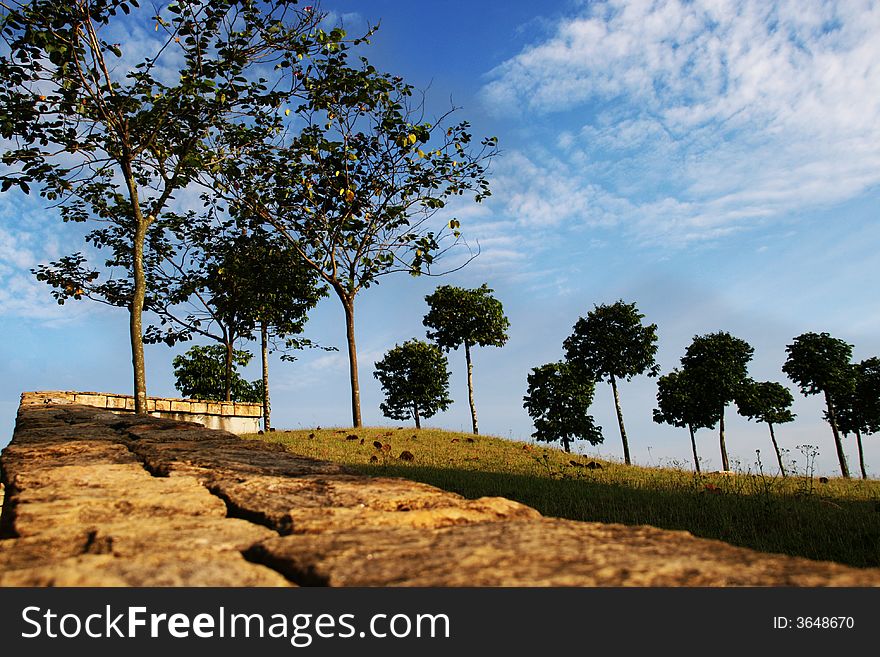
234 417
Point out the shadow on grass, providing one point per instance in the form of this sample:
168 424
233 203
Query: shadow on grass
845 531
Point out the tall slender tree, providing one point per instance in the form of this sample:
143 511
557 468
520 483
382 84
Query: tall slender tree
558 401
768 402
466 317
356 190
612 343
718 363
114 140
820 363
682 403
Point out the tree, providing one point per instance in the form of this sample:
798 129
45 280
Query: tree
858 408
201 374
819 363
682 403
717 363
466 317
612 343
415 379
558 401
768 402
356 189
229 283
112 140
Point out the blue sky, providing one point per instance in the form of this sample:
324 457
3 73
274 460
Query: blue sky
715 162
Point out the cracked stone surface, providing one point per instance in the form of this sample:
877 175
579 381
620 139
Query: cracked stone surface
96 499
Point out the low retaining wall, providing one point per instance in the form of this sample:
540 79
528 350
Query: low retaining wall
97 499
234 417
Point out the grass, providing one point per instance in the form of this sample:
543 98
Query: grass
798 515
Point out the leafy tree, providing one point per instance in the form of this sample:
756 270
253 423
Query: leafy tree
112 140
201 374
466 317
612 343
858 408
229 284
355 191
717 363
768 402
819 363
415 379
682 403
558 401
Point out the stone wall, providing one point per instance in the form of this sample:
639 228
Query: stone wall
97 499
235 417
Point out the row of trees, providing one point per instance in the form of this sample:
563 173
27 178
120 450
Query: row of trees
314 172
612 343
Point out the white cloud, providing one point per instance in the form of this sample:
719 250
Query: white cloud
698 118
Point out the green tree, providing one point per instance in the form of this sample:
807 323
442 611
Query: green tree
558 401
718 362
682 403
460 316
357 189
819 363
113 141
858 408
230 284
612 343
768 402
415 379
201 374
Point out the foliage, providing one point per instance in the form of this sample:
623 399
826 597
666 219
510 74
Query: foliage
558 401
459 316
415 379
612 342
682 403
114 140
818 363
765 401
717 363
201 374
858 410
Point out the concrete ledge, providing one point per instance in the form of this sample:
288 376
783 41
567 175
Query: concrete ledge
237 417
94 498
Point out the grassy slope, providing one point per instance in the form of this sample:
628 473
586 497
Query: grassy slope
838 520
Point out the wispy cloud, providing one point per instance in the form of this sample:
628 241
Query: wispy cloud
696 119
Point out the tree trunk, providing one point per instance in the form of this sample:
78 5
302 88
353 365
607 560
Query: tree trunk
416 416
626 458
348 305
566 444
776 447
694 446
135 325
724 462
227 377
264 348
832 420
470 380
861 454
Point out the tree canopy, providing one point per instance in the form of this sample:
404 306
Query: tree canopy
415 379
200 373
459 316
558 401
858 407
683 403
612 343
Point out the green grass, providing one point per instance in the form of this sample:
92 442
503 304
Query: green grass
797 515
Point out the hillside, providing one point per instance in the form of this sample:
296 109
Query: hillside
801 515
